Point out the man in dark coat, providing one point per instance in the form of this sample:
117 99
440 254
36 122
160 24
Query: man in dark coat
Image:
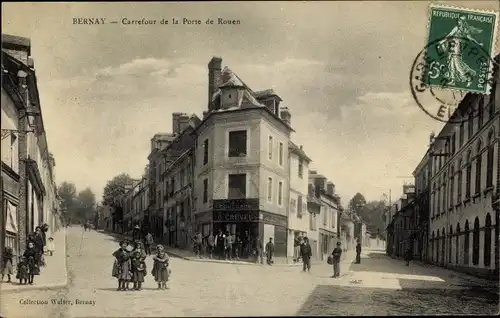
136 233
306 254
358 252
269 251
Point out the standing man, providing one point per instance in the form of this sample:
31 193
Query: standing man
269 251
198 240
337 252
148 243
358 252
228 246
306 254
259 250
210 244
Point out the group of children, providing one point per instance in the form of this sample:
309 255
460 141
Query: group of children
130 266
28 265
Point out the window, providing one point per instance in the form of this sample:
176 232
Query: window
270 148
301 168
205 152
324 214
459 182
299 205
270 189
461 136
491 107
182 176
238 143
281 154
292 205
453 141
489 161
438 209
452 185
475 242
470 126
445 191
433 203
312 221
172 184
468 175
487 241
205 191
480 111
237 186
280 193
478 167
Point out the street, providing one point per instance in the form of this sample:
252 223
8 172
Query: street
377 286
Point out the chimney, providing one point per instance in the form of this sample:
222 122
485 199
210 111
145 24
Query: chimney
214 77
319 184
330 188
285 115
180 121
183 122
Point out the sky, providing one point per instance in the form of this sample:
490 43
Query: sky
342 68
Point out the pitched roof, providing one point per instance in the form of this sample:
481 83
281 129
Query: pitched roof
266 93
230 79
296 149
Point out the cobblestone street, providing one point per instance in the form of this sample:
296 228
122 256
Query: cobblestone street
377 286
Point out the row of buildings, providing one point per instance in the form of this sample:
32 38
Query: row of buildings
235 170
28 189
450 217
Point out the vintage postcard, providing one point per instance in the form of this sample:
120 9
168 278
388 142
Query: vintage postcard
250 158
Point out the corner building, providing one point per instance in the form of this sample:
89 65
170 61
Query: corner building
241 170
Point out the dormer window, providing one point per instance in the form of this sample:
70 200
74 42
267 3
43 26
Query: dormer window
229 95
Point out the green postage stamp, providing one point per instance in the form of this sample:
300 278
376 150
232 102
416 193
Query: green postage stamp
460 48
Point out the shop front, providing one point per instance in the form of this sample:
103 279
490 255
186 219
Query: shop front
236 216
9 201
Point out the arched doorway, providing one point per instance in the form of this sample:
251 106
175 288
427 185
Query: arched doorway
457 245
466 243
487 241
475 242
450 244
437 247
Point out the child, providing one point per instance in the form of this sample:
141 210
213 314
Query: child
7 263
337 252
122 265
160 267
22 271
51 246
32 258
138 270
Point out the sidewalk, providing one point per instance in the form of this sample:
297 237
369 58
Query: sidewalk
54 275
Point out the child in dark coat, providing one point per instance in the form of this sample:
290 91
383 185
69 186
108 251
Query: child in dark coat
22 271
138 270
32 258
122 266
7 263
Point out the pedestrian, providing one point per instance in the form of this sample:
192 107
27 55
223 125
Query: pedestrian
149 243
408 255
51 248
138 269
139 249
228 246
39 246
336 254
160 269
220 244
259 250
7 264
269 251
122 265
45 229
306 254
358 252
22 271
136 233
32 257
197 240
237 246
211 244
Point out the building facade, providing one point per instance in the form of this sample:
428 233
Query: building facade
314 210
422 206
463 224
29 195
298 216
241 149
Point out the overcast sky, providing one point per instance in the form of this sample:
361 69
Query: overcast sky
342 68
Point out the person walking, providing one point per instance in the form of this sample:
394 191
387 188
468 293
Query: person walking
269 251
148 240
259 249
336 254
408 255
306 254
197 240
358 252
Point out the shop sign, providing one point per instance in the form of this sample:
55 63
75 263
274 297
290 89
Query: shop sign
236 205
233 216
274 219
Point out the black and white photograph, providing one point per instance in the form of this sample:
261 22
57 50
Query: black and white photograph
250 158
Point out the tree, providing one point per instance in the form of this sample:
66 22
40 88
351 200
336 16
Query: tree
86 205
116 187
357 203
67 193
